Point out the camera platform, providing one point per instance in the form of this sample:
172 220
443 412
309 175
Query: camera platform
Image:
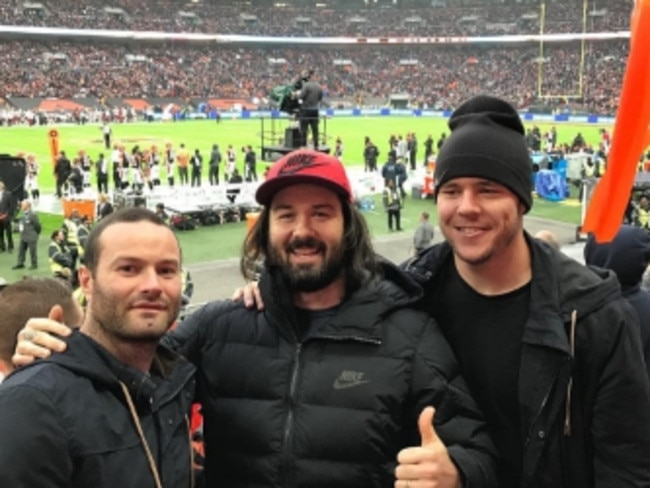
280 136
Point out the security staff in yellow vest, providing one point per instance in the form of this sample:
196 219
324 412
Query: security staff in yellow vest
70 225
59 256
83 230
588 168
187 285
643 212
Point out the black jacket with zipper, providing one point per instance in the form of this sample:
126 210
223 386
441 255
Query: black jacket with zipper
65 421
583 392
334 410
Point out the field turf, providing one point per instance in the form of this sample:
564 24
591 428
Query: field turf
222 242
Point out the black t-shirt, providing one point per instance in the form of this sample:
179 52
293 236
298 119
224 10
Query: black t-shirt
485 333
311 321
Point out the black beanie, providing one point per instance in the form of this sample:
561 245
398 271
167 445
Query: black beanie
487 141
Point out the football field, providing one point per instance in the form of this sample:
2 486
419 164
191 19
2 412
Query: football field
201 134
208 244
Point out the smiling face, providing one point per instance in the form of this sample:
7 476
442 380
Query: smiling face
305 237
135 292
482 220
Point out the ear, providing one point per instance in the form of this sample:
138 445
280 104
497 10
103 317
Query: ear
85 280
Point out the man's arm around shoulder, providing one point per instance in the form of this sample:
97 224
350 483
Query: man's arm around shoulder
34 451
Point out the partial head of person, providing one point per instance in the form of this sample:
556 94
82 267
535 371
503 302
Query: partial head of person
628 254
309 230
32 297
131 276
424 216
483 180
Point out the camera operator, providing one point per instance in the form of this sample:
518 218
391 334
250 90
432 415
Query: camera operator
311 94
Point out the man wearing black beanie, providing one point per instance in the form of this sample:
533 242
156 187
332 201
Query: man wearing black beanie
549 348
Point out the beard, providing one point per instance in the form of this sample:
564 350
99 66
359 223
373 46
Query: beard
110 316
308 278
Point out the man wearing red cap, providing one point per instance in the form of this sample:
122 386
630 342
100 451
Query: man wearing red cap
340 372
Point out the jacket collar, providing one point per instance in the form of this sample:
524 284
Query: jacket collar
360 314
545 325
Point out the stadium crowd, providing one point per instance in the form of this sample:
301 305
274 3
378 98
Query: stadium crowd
170 16
438 77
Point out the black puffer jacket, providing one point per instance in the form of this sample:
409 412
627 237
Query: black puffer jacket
65 422
332 411
599 436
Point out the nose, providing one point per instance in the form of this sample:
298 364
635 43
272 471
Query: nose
302 226
468 202
150 281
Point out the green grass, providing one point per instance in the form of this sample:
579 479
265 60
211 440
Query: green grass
220 242
238 133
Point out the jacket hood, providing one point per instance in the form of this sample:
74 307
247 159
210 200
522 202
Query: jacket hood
627 255
87 358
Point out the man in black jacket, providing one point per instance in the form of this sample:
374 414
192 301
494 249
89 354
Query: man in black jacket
29 227
6 218
628 255
62 170
111 410
311 96
215 161
250 161
549 348
339 373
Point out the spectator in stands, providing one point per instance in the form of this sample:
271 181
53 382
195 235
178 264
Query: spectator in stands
627 255
112 409
32 297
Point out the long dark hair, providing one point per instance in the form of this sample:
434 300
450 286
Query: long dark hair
360 262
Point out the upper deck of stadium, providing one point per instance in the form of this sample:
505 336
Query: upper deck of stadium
330 18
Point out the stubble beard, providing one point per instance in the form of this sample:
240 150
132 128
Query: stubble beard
114 321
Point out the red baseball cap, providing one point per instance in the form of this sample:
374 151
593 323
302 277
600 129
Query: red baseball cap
305 166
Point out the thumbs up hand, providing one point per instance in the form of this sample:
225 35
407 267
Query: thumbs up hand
428 465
